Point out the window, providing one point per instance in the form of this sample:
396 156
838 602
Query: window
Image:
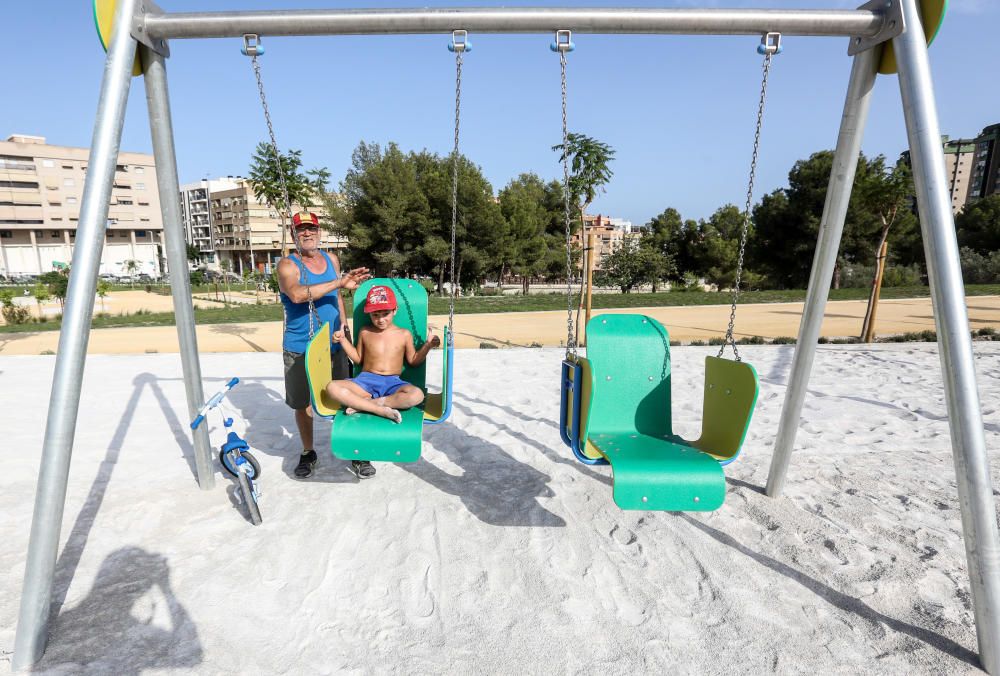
68 182
140 186
124 202
122 186
124 233
140 233
55 234
55 204
23 221
70 200
19 184
67 166
143 204
48 163
6 234
140 170
20 162
121 167
145 220
56 218
38 233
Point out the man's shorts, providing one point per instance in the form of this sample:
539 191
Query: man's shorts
297 393
378 385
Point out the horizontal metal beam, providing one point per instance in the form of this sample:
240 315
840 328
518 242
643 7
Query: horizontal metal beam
863 23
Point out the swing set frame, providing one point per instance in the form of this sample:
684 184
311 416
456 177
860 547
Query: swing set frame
884 36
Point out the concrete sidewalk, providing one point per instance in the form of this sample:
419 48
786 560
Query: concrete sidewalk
522 329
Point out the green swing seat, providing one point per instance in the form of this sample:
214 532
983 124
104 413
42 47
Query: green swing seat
625 417
368 437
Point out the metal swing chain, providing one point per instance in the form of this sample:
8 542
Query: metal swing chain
251 50
459 49
570 332
769 49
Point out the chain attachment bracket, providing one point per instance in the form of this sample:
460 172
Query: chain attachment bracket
252 45
770 43
563 42
460 42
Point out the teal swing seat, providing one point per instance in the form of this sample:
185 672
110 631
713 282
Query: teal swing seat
368 437
616 409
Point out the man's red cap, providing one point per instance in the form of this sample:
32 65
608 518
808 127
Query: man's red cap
304 218
380 298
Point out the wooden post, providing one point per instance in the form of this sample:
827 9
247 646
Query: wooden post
883 251
591 248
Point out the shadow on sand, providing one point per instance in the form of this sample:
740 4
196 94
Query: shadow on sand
140 624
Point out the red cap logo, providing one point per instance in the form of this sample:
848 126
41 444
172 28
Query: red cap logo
304 218
380 298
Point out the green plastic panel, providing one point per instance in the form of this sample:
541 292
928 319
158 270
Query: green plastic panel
628 420
363 436
368 437
731 389
658 474
435 404
411 314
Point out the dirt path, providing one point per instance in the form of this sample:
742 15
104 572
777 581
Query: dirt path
522 329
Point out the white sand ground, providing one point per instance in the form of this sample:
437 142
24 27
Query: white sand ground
497 553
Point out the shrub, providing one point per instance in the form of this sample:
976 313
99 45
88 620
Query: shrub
987 331
823 340
716 341
750 340
783 340
488 346
978 268
697 343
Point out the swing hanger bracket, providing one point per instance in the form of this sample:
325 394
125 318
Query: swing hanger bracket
563 42
770 43
251 45
144 9
460 42
893 24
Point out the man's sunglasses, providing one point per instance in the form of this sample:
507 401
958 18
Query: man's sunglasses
307 228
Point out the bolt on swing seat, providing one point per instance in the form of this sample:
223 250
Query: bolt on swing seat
616 409
363 436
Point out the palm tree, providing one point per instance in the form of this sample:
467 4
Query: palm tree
589 172
130 266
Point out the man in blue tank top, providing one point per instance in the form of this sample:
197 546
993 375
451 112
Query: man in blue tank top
308 281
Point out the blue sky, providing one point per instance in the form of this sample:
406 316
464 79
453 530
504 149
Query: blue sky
679 110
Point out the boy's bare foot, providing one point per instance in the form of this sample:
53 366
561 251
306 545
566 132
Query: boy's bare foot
392 414
350 411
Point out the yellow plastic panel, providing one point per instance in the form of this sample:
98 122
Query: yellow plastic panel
730 396
104 20
932 14
319 370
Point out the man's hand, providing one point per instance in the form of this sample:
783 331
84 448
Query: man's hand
352 278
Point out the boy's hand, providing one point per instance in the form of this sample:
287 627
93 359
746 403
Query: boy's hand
435 341
352 278
338 336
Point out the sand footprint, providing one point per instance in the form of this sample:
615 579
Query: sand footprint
418 600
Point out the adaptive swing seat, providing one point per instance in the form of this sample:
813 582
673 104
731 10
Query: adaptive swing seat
616 409
364 436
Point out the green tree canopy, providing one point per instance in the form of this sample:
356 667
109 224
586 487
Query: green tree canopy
978 225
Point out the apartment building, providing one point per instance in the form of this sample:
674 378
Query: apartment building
608 233
985 178
41 186
958 161
247 232
197 216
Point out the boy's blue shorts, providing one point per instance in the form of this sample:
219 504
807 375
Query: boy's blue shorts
378 385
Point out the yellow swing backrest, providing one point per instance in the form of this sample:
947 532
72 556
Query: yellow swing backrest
731 389
319 370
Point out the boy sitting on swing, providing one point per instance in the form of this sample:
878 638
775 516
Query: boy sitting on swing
382 346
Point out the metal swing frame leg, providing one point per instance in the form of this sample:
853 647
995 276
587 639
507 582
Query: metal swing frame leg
975 492
64 401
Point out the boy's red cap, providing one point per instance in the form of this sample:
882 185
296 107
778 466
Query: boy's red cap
304 218
380 298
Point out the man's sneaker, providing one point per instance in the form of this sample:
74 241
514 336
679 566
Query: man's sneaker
307 461
363 468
